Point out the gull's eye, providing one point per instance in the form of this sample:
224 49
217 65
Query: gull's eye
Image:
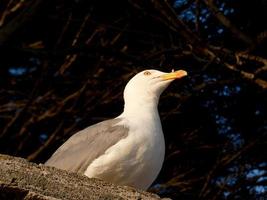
147 73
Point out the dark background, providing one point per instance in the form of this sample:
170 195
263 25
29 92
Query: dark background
64 65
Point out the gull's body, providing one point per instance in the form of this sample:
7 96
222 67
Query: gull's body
126 150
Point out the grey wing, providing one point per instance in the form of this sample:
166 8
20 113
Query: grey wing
78 152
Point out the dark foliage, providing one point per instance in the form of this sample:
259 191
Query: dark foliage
64 64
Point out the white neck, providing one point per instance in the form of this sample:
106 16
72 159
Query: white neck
141 109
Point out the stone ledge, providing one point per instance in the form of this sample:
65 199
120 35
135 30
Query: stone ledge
20 179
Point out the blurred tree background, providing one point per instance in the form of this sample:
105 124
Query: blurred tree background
64 65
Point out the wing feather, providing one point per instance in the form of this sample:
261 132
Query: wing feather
81 149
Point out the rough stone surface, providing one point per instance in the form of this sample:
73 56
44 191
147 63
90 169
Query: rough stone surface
20 179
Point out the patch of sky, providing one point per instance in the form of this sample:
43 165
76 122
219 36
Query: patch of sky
229 180
232 178
43 137
204 11
228 11
255 173
22 70
17 71
263 164
262 179
227 91
224 128
237 89
223 125
233 169
179 3
208 103
258 189
236 140
222 6
160 188
188 15
35 61
220 31
204 15
257 112
226 194
220 120
261 176
207 78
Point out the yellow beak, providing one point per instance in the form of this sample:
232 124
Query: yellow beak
174 75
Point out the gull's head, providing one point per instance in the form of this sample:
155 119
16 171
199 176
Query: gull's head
148 85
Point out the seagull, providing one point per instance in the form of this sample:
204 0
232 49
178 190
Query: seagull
129 149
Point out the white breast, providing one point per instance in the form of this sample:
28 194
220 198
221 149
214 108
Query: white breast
135 160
